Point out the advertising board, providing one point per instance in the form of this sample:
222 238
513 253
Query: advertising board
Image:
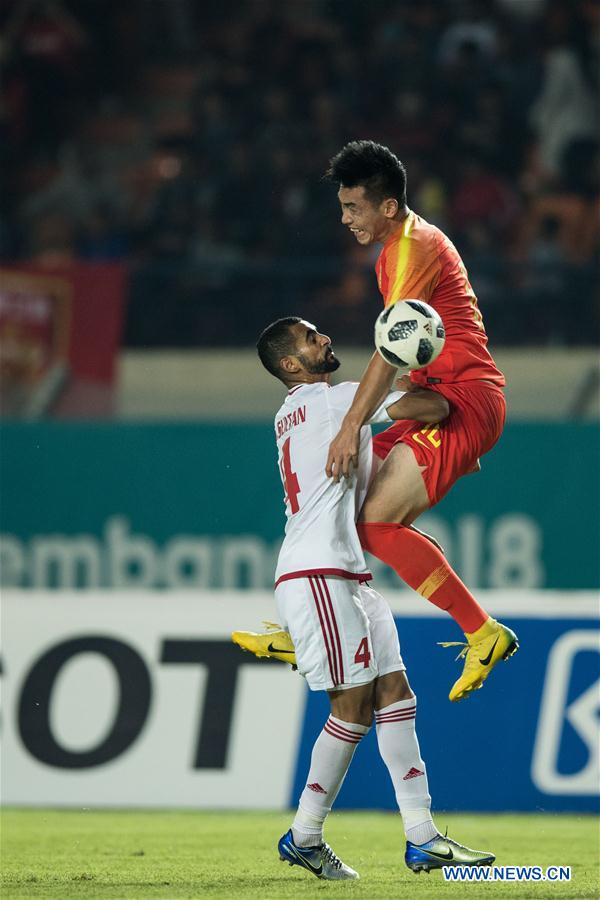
140 699
194 505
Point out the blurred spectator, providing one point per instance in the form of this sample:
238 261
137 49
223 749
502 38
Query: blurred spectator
72 184
343 304
171 227
475 28
566 108
44 44
572 208
484 198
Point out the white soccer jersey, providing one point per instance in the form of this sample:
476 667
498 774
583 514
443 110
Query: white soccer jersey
320 533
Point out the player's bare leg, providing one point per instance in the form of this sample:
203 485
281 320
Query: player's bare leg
397 496
418 499
397 492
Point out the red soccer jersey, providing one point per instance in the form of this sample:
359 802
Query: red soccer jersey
420 263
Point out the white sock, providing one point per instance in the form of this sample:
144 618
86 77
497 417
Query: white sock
331 757
307 829
399 749
418 825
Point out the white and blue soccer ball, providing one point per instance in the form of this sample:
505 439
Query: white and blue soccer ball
410 335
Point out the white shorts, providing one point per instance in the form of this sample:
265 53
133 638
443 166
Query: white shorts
344 632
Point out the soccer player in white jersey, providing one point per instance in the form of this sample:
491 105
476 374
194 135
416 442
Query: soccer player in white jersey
343 631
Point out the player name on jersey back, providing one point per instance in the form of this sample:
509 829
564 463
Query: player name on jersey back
289 420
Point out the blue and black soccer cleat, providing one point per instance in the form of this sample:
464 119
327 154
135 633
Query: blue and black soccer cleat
320 860
443 851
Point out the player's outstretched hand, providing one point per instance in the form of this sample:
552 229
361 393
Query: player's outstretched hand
343 453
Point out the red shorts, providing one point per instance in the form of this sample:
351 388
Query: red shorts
453 448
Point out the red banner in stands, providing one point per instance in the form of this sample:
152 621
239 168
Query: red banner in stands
60 330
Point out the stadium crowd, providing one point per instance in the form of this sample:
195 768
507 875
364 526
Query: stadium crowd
189 142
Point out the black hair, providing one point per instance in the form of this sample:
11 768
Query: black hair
275 342
372 166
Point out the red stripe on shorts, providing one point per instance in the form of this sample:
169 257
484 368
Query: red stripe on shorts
337 679
325 637
337 633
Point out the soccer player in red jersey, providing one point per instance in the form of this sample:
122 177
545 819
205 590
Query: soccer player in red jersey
420 465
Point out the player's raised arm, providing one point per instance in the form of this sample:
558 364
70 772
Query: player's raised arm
374 385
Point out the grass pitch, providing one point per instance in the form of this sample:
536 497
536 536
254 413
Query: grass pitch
122 854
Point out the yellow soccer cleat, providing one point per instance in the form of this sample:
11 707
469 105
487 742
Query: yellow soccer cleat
484 648
275 643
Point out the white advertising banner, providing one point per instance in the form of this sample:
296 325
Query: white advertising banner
141 699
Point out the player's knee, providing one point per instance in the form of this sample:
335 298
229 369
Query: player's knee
354 706
391 689
360 713
362 716
398 492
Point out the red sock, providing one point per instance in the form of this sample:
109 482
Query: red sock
423 568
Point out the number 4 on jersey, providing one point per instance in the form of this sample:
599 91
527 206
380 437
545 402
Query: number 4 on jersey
290 479
362 655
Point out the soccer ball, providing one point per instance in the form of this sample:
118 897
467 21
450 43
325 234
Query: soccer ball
410 334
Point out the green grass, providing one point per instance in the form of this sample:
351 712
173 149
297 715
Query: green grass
123 854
